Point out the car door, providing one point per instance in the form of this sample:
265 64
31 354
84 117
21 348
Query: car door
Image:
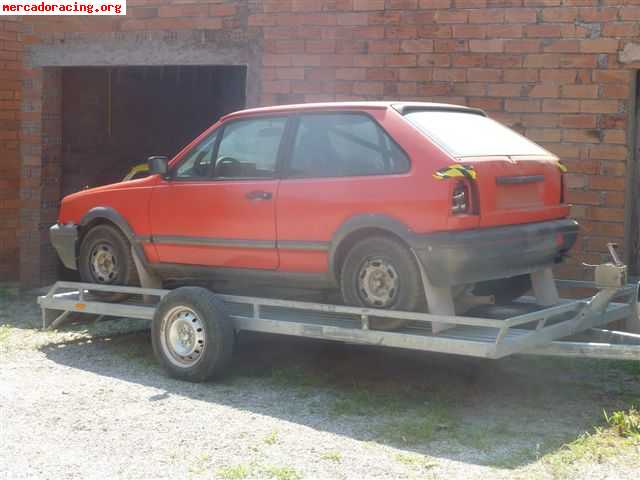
217 208
341 164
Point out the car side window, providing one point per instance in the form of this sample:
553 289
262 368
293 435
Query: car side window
198 162
343 145
249 148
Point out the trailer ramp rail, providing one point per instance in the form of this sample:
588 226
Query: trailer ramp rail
532 330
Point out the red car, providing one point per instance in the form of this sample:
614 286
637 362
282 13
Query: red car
336 195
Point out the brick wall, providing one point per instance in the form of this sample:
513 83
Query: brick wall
560 71
10 56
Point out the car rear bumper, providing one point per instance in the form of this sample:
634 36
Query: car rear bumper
455 258
64 239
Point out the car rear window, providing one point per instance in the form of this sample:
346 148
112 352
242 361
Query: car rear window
465 134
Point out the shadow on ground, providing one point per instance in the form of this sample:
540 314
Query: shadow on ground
503 413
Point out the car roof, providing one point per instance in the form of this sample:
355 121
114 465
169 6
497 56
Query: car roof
402 107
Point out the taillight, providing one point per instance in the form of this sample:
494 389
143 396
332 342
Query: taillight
563 188
461 199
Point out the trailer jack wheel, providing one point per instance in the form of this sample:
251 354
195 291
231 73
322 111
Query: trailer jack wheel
192 337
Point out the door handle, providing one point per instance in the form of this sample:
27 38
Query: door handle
259 195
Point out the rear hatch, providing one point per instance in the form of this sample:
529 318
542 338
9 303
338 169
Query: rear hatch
517 181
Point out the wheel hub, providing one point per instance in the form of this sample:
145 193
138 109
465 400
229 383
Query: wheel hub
104 263
183 337
378 282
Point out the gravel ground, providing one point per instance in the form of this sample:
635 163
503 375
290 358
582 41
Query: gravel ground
90 402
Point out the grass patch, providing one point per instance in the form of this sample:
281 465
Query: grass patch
236 472
419 426
283 473
297 377
5 332
332 456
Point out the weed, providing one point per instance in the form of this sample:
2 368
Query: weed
236 472
283 473
333 456
297 377
414 460
272 438
626 423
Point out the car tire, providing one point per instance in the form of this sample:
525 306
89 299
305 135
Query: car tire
105 258
193 338
504 290
381 272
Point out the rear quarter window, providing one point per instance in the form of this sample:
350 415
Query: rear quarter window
343 145
465 134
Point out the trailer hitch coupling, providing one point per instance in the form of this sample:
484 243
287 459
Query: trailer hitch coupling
611 275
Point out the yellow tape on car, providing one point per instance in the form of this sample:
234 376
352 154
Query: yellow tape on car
455 171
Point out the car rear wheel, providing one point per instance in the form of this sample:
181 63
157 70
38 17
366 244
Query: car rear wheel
105 258
380 272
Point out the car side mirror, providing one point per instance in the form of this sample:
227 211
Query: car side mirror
158 165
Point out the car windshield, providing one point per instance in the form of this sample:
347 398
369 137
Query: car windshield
465 134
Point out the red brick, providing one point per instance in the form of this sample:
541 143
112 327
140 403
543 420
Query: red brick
353 19
488 104
582 135
560 106
486 15
545 90
630 13
611 76
615 91
598 14
564 46
486 45
505 90
580 91
599 106
560 76
565 14
469 31
621 29
446 16
608 152
520 75
400 60
351 73
449 75
615 136
416 46
368 88
601 45
443 46
518 105
521 15
542 31
434 60
578 121
484 75
368 5
415 74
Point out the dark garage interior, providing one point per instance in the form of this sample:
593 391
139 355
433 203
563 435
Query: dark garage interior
113 118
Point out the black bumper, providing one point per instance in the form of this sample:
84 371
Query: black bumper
64 239
455 258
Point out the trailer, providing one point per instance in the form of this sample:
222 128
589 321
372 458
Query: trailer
193 329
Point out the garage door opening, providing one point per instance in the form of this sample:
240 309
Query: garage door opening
113 118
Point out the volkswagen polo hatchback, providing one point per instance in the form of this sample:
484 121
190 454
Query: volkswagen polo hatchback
348 196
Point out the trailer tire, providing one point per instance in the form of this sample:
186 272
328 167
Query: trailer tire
191 334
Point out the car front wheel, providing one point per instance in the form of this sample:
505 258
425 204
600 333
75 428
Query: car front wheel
380 272
105 258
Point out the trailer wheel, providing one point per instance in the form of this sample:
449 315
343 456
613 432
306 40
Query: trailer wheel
192 336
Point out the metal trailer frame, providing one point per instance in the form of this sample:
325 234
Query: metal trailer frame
534 329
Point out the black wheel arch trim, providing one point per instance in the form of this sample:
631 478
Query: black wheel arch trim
115 217
379 221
